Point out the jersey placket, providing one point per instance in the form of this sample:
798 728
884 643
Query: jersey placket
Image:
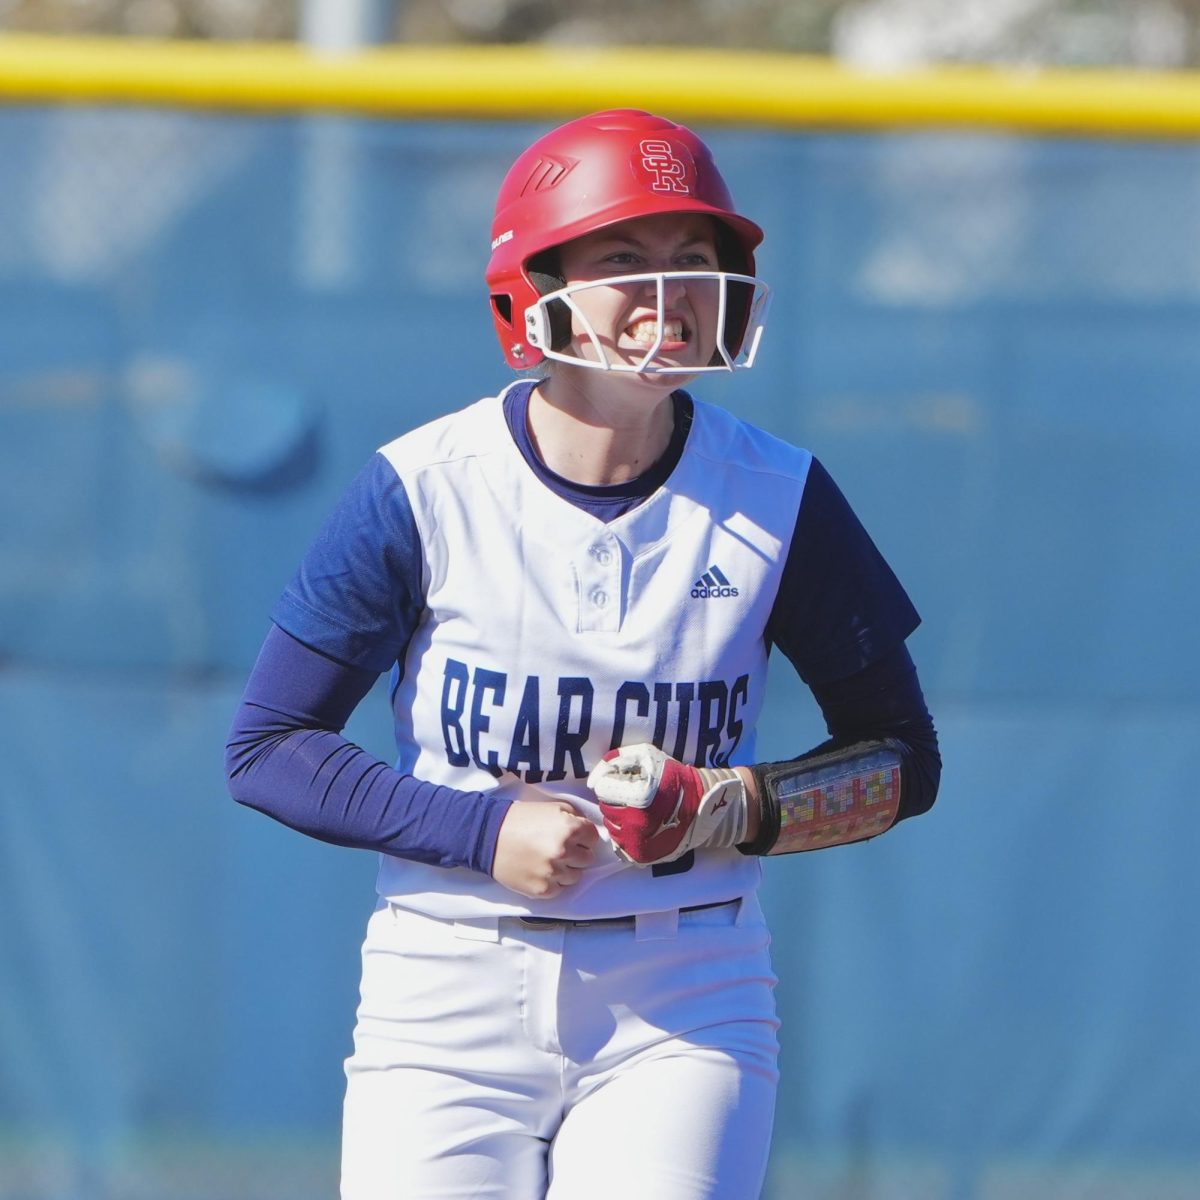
600 590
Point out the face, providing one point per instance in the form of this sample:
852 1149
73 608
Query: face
625 317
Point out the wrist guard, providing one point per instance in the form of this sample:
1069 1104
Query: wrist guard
826 799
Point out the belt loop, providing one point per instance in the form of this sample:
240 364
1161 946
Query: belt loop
478 929
656 926
747 907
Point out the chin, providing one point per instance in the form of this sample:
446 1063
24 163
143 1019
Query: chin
660 382
675 359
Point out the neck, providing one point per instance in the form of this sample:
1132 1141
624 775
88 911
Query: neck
595 434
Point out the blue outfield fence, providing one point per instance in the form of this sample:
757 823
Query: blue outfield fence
993 341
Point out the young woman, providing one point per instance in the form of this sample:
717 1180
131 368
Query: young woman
566 985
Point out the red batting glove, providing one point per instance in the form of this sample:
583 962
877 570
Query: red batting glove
656 808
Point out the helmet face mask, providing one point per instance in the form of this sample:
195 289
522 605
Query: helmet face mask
743 318
598 171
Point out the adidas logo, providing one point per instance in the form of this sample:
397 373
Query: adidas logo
712 585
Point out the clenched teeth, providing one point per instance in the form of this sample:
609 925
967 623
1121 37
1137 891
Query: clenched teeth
645 332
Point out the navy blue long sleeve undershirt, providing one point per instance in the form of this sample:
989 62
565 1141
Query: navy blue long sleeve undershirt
287 758
884 700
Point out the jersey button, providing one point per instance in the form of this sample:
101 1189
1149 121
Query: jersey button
599 598
602 554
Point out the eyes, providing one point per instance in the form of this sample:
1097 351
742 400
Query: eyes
630 261
646 246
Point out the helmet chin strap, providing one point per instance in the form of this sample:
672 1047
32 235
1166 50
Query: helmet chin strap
539 322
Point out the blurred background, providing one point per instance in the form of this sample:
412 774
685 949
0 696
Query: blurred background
1150 33
210 318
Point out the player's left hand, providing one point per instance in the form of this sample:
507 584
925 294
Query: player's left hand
656 808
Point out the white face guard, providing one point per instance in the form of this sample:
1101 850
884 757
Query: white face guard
537 323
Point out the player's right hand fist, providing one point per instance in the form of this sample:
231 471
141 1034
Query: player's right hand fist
543 847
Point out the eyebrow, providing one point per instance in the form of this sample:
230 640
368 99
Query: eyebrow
628 239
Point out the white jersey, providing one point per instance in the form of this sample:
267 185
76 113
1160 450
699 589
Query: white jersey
549 637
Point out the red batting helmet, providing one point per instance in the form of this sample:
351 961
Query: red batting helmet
585 175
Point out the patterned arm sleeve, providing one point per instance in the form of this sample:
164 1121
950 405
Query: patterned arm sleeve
884 702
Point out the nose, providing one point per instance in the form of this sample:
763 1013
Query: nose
673 289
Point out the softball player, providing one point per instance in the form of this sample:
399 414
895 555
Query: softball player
566 987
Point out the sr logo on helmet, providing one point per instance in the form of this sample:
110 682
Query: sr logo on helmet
664 164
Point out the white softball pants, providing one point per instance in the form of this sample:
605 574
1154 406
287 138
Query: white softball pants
493 1059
